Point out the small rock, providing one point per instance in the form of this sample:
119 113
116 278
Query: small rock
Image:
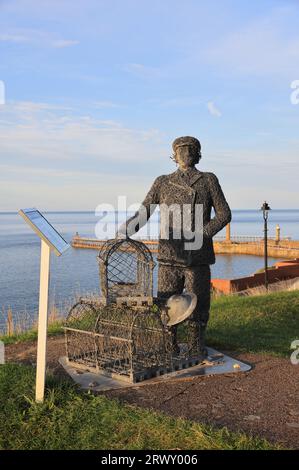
293 425
216 356
93 384
252 418
200 406
206 362
217 405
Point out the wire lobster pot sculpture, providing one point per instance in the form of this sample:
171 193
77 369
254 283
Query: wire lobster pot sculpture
126 271
121 334
120 342
124 333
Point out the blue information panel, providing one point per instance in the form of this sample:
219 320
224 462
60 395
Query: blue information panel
44 230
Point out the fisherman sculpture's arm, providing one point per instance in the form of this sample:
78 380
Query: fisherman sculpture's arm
222 210
145 211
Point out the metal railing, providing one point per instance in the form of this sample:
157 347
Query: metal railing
248 238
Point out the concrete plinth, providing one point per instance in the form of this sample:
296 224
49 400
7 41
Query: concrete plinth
215 363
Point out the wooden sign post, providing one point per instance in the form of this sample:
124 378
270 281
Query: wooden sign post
50 240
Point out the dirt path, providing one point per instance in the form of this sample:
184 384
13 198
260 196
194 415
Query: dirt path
263 402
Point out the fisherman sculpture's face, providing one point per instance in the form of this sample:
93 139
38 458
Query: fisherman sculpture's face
186 156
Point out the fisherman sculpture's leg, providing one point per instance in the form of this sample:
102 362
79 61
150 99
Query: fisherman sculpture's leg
170 282
198 281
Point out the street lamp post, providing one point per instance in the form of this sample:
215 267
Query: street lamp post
265 208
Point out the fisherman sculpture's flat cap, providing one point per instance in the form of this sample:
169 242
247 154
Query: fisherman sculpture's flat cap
186 140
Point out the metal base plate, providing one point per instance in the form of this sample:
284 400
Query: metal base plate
215 363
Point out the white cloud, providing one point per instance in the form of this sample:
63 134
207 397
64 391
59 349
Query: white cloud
37 38
2 92
13 38
19 107
60 43
105 104
179 102
213 110
42 131
53 157
145 71
69 189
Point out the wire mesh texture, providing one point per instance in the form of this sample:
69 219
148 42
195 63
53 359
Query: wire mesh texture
126 270
79 333
128 342
123 333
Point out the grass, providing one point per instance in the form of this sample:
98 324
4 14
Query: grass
54 329
262 270
71 420
261 324
258 324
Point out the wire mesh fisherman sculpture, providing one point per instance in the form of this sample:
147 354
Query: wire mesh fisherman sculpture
181 266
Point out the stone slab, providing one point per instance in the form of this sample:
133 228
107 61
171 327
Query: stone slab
215 363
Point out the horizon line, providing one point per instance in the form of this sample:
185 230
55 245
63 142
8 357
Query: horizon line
49 211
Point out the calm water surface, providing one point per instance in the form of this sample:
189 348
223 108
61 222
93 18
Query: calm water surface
76 272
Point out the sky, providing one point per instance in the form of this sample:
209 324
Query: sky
97 90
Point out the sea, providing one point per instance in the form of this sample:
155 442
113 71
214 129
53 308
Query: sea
75 273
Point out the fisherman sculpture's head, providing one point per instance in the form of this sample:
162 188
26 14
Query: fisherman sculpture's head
187 152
